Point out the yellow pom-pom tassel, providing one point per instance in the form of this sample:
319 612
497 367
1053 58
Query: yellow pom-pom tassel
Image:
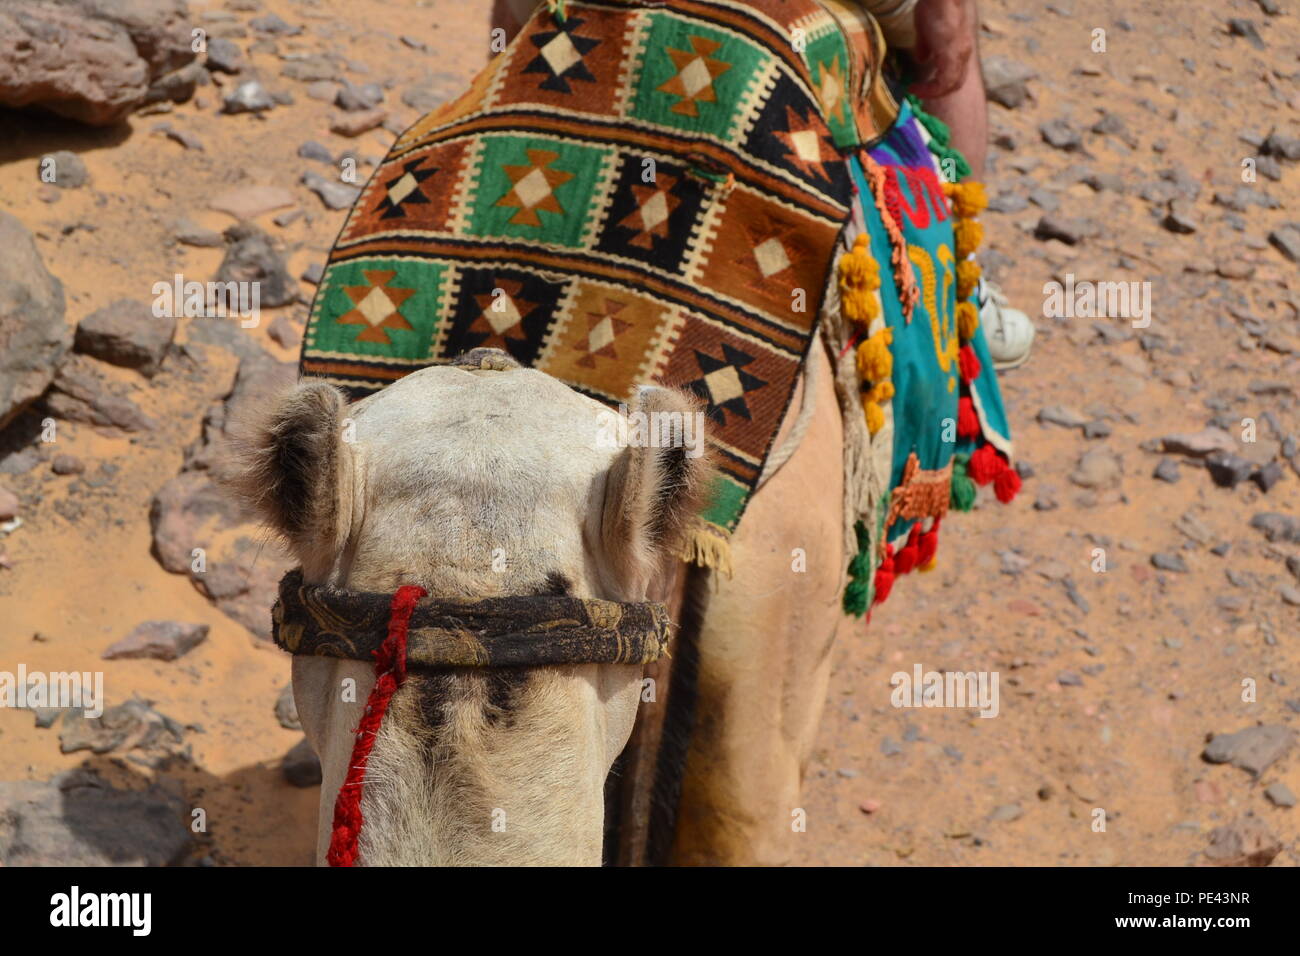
874 358
968 235
881 391
858 268
968 276
968 198
968 320
875 416
860 305
930 565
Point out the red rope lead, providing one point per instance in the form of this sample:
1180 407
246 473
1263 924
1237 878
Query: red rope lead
390 671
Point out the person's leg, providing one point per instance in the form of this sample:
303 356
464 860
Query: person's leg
965 110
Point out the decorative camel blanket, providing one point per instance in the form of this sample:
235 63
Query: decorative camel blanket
630 192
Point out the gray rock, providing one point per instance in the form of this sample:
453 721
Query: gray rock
79 393
1198 444
192 234
1227 469
1254 749
78 819
1284 147
63 169
93 61
1167 470
357 98
1268 475
126 728
184 137
1069 679
283 331
1062 415
247 97
1246 842
286 710
1241 27
334 194
127 333
224 56
301 766
1006 813
1243 199
313 273
1289 594
314 150
67 465
1061 134
253 257
184 514
159 640
1098 468
1006 81
1286 239
1293 565
34 335
1180 218
274 26
1166 561
311 69
1280 795
1071 230
178 86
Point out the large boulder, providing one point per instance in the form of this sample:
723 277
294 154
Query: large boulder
78 819
33 336
90 60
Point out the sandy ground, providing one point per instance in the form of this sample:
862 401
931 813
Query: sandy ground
1159 657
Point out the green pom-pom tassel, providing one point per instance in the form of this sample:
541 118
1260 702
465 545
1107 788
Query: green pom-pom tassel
857 591
940 137
962 494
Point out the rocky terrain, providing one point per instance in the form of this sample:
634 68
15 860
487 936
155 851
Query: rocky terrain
1139 600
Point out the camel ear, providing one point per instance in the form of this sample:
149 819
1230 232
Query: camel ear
286 463
658 484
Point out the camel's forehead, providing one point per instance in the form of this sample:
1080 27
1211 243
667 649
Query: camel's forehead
444 411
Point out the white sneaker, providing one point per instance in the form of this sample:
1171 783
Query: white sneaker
1009 332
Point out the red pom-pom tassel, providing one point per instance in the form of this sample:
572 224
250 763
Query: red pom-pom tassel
1006 484
968 364
927 545
985 465
968 424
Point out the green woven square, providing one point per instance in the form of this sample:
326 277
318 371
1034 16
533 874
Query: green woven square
530 187
693 77
383 308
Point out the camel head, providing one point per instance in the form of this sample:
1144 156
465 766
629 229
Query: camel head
473 480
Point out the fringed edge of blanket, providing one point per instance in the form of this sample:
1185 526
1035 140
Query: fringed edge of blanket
707 545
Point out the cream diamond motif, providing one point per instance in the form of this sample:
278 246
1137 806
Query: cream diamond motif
771 257
401 189
807 145
695 76
560 53
601 335
375 306
533 188
506 318
655 211
724 384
